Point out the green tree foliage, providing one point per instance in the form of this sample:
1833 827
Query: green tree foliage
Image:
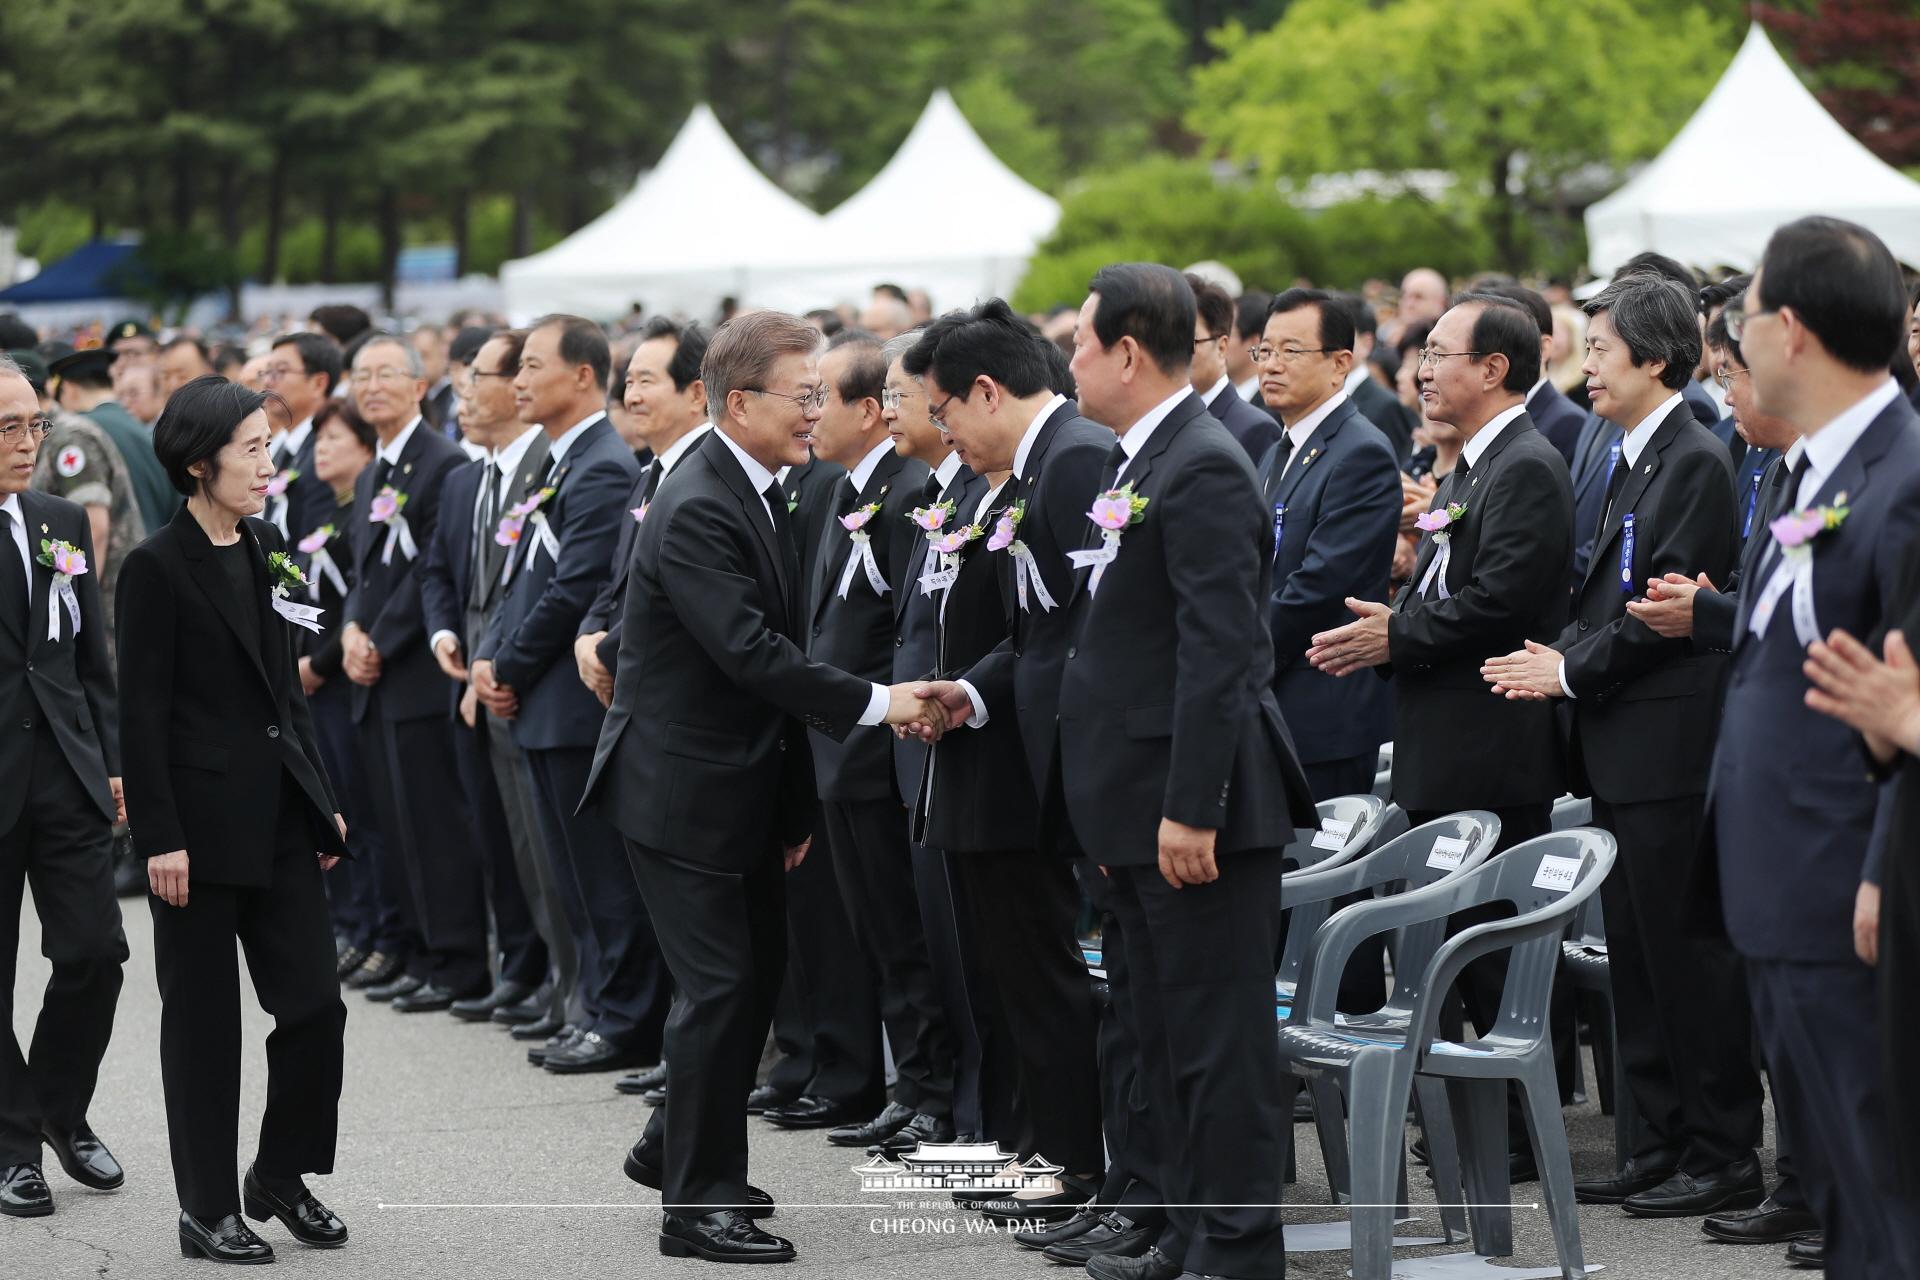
1518 98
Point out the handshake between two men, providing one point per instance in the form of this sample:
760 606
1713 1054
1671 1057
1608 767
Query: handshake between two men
926 709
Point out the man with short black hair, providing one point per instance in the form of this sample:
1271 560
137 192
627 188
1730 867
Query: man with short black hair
1377 404
84 385
302 369
1554 416
429 342
1644 715
1249 319
181 361
1213 334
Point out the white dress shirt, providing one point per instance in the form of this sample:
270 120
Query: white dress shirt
863 469
390 452
1141 431
1827 446
571 434
296 439
1213 393
12 507
759 477
501 464
1473 450
1032 433
949 468
1358 376
1248 389
669 458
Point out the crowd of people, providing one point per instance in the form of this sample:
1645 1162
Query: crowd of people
646 693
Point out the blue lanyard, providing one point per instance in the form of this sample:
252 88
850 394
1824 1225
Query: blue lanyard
1626 556
1753 500
1279 522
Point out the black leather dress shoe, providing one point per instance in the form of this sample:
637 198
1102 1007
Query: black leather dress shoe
376 970
1808 1251
565 1036
1151 1265
1768 1222
727 1236
892 1119
305 1218
85 1158
922 1128
591 1053
1684 1195
810 1112
759 1098
531 1007
1057 1207
1052 1233
1115 1237
429 997
24 1192
1521 1167
643 1166
401 985
480 1008
635 1083
349 959
544 1027
1639 1175
228 1240
656 1096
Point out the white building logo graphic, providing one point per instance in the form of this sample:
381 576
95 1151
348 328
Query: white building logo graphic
958 1166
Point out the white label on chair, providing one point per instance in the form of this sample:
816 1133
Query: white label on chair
1557 874
1448 852
1332 833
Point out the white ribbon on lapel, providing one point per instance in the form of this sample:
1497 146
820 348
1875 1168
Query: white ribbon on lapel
323 566
399 534
1437 567
1099 557
1025 569
1793 573
300 615
862 557
939 580
62 594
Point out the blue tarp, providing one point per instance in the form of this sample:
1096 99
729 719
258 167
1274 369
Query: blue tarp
94 270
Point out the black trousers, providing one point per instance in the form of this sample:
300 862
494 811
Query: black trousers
1133 1155
1199 961
352 894
1039 1077
626 988
954 979
1820 1032
421 810
286 934
63 845
874 868
1679 1002
522 955
724 936
826 1023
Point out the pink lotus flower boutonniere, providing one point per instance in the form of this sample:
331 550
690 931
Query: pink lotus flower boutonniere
316 540
932 518
1007 527
320 560
1113 511
278 486
515 521
639 513
387 508
1026 571
854 522
1440 522
67 562
387 504
950 543
1796 531
861 557
944 550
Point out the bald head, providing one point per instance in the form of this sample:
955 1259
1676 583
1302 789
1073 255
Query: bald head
1423 295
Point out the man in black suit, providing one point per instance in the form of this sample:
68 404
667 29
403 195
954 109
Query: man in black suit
1644 714
703 764
1596 452
58 804
988 378
1170 763
1332 489
438 403
459 584
1249 319
1489 578
302 369
1213 334
1375 401
866 539
1791 825
1554 416
400 695
523 670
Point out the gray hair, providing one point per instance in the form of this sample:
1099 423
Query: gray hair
742 351
1658 320
894 348
9 365
416 367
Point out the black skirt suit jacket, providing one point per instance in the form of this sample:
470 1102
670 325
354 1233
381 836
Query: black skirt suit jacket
212 713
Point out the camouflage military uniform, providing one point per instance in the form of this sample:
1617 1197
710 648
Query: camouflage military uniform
78 462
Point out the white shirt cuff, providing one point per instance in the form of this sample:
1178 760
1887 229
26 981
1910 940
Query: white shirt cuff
979 716
433 641
876 711
1562 673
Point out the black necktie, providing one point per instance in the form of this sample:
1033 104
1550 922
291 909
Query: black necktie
1116 459
776 500
13 575
381 471
930 491
653 482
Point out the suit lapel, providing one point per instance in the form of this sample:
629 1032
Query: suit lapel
1645 467
1429 548
753 511
35 523
526 478
1137 469
214 586
1316 445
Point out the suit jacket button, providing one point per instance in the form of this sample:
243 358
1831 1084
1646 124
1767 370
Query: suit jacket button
1073 651
273 731
1584 624
27 723
899 642
816 630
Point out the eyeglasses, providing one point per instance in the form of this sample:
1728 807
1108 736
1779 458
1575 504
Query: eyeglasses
275 372
385 377
1736 315
39 428
936 415
1726 379
814 399
1264 354
1205 338
1429 356
508 374
892 399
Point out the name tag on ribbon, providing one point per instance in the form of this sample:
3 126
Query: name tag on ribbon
300 615
1279 523
1626 556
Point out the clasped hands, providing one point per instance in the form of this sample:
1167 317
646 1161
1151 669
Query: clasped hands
926 709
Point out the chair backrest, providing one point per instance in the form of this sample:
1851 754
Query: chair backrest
1383 773
1572 811
1347 828
1413 859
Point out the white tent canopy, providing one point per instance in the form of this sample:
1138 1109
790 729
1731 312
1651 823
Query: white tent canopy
1760 151
945 215
702 224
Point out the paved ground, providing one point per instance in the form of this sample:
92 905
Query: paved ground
441 1113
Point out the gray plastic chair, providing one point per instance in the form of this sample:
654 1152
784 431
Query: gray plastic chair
1370 1061
1408 861
1348 828
1383 772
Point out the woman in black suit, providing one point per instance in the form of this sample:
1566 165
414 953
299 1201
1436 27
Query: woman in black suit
236 819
